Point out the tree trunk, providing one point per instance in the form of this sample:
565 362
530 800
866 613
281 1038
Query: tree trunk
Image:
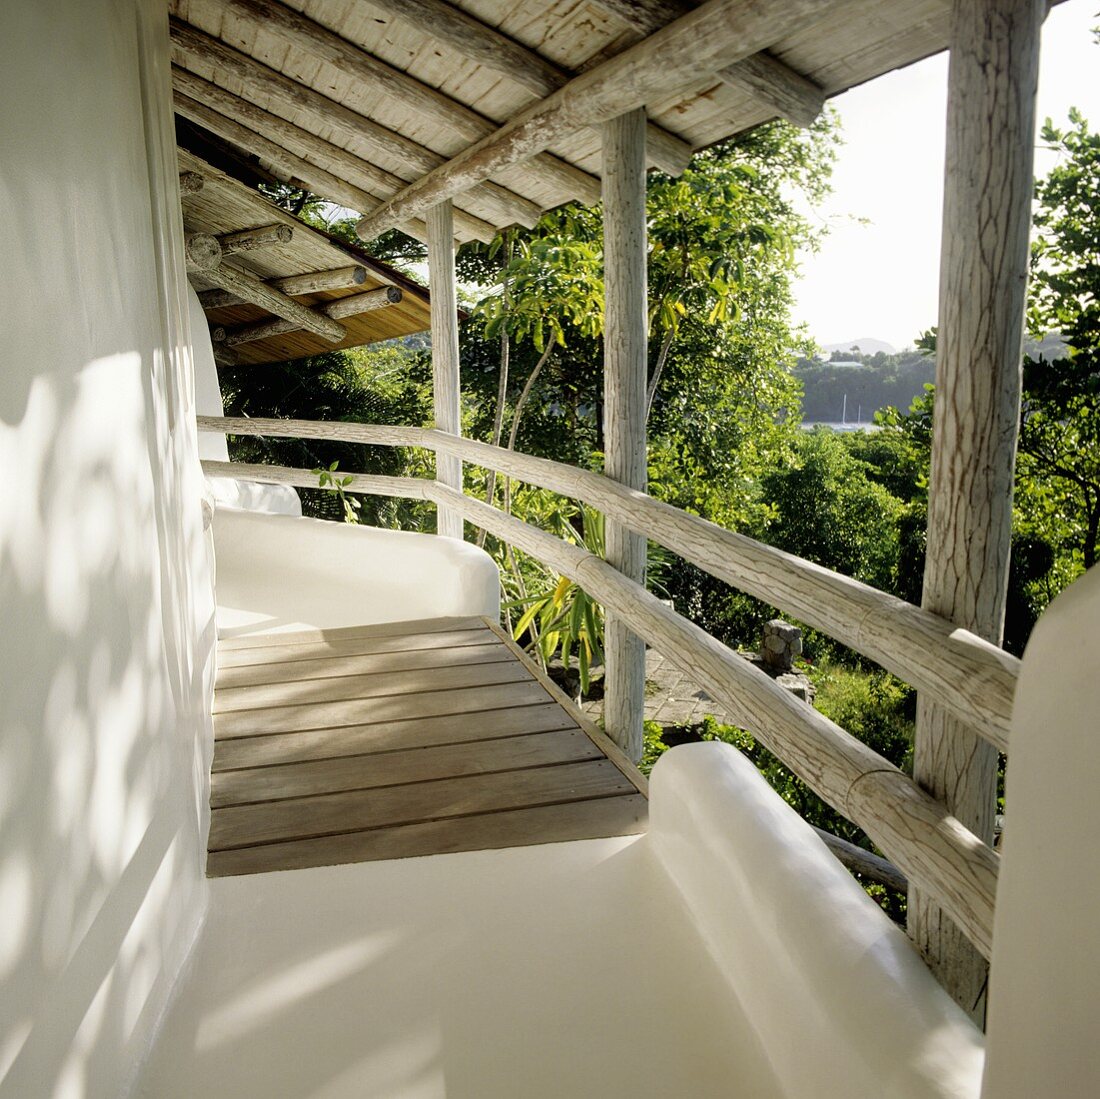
502 382
521 404
498 419
662 358
1092 536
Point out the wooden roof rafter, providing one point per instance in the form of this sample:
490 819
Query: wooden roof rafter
337 278
353 306
325 169
316 40
496 51
298 291
693 48
767 79
261 83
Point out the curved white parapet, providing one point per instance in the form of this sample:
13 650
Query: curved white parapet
1044 985
277 573
226 491
231 492
840 1000
208 396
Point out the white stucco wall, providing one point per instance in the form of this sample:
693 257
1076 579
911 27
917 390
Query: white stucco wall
725 954
105 614
1044 985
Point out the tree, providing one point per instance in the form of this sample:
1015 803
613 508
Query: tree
723 404
381 385
828 509
722 242
1060 428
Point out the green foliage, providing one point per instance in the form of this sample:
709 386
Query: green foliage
386 384
1064 293
554 284
707 228
557 616
827 508
1060 428
874 706
564 617
722 239
329 479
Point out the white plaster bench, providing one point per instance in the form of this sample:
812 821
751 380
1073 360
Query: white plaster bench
276 570
838 997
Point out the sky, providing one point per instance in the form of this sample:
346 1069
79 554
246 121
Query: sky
880 279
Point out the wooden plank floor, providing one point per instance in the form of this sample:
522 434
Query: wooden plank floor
382 742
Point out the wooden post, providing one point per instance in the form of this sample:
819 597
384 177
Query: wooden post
445 366
625 369
983 273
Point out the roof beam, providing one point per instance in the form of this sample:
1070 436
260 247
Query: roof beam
190 183
692 49
319 42
219 181
352 306
191 91
523 66
259 81
318 180
247 240
255 290
313 282
202 252
359 185
767 79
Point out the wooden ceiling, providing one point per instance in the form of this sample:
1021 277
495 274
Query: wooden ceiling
383 106
225 205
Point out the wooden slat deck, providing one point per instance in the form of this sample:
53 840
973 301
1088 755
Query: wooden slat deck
382 742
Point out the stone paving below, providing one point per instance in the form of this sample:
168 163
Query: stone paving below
671 697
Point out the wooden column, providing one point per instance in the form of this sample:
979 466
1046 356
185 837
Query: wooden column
983 272
625 369
445 366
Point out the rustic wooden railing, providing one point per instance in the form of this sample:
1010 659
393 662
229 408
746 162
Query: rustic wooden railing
971 678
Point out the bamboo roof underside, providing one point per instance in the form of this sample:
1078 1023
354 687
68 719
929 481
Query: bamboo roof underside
225 205
366 102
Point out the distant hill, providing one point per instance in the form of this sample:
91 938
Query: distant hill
865 345
857 384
